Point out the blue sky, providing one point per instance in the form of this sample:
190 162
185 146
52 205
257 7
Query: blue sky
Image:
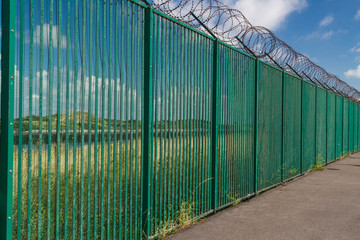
327 31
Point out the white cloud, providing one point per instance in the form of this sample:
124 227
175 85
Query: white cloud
45 37
356 48
327 35
323 35
353 73
268 13
357 16
326 21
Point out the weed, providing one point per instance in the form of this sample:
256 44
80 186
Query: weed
319 164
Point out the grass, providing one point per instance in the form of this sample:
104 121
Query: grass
70 179
40 209
184 219
54 178
319 163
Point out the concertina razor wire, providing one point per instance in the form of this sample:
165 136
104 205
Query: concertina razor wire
231 26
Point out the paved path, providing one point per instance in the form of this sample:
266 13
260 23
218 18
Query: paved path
320 205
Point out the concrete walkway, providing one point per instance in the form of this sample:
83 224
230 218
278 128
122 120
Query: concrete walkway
320 205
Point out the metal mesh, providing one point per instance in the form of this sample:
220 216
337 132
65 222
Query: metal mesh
292 126
181 123
77 112
236 125
351 127
330 126
345 125
321 138
339 125
308 125
269 126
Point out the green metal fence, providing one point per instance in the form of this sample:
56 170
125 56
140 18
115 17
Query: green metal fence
119 122
291 127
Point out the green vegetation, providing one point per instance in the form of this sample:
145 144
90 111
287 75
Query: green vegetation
319 164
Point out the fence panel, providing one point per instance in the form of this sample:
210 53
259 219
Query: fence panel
236 125
356 126
269 126
351 126
182 123
321 134
339 125
309 123
291 126
331 144
77 121
346 127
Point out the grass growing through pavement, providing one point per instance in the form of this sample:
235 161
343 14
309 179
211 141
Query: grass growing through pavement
319 163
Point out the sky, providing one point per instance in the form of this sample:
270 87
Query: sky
326 31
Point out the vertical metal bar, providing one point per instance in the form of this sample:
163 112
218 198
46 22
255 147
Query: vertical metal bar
257 76
74 132
50 104
335 96
154 135
301 125
138 85
126 107
137 232
58 119
7 117
67 124
349 104
97 74
214 128
30 117
82 112
109 103
172 101
165 106
147 124
20 147
131 117
115 155
82 61
103 106
88 223
121 98
316 124
40 117
342 126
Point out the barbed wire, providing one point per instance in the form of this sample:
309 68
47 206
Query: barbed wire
231 26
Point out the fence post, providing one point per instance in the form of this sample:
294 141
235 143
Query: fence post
256 124
326 127
302 127
316 125
147 123
342 126
335 128
214 128
7 117
282 126
349 104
